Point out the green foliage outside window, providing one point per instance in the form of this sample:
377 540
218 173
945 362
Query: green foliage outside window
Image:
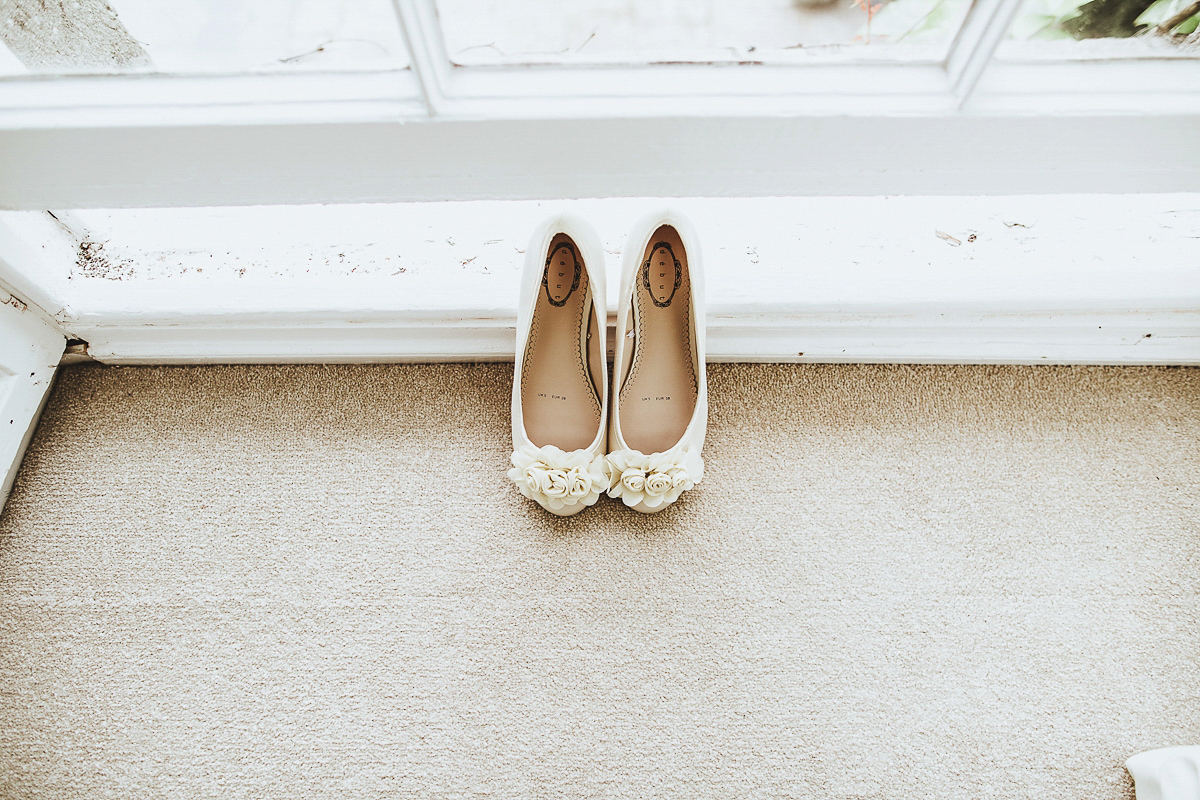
921 21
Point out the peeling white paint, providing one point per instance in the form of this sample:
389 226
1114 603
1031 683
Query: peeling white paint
7 299
1068 279
832 250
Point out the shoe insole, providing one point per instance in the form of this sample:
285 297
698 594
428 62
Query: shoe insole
659 395
560 373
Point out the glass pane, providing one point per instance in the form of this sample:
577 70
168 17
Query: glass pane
657 31
1095 27
199 36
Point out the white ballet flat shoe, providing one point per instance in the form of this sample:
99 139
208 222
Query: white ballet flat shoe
660 393
560 379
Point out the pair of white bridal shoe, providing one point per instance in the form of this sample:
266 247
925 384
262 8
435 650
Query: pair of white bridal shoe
573 440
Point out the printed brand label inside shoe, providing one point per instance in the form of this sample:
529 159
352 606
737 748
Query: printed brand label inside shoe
562 274
662 274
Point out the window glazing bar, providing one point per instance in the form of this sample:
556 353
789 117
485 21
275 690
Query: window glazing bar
984 27
423 37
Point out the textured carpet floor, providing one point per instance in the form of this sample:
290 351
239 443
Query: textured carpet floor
315 581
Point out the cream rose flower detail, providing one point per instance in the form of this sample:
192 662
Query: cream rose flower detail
655 479
557 479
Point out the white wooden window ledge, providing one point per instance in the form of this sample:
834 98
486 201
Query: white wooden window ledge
1035 280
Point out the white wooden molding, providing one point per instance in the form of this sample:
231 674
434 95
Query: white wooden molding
31 339
906 335
861 87
1043 279
98 101
29 244
29 352
1035 87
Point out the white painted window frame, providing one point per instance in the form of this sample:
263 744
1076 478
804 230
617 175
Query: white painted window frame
31 345
852 84
968 125
848 85
606 130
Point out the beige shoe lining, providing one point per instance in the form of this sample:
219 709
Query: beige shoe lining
560 373
658 394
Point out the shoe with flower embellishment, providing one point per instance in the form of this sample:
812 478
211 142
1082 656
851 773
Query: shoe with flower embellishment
660 395
560 380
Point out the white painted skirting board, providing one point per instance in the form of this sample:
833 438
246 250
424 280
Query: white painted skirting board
899 336
30 349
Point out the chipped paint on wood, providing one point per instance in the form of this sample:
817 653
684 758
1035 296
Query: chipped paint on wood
94 262
10 300
1063 279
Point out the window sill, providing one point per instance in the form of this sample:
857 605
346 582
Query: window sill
1042 279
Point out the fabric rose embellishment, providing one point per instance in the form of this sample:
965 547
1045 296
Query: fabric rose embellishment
558 479
655 479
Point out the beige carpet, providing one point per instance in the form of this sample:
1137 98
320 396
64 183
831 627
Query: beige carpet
895 582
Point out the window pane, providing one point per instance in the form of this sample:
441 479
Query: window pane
551 31
199 36
1096 28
